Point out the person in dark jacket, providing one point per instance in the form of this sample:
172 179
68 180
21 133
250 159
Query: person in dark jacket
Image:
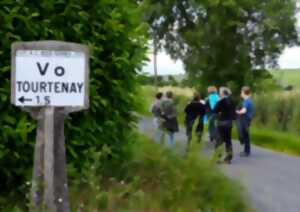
194 111
225 110
169 115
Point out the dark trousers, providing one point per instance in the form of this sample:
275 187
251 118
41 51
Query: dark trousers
212 129
189 128
224 136
243 125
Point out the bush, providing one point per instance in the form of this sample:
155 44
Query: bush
113 31
278 111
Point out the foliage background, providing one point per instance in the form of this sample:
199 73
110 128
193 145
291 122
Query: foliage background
116 37
221 42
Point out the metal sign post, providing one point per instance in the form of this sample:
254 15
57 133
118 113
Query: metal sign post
50 80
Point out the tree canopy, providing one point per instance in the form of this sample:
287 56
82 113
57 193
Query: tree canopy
223 41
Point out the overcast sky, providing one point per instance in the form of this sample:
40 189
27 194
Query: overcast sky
290 59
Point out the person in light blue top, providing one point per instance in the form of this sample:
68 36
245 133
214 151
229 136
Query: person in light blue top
211 103
245 116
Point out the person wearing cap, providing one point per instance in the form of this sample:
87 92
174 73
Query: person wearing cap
245 116
225 111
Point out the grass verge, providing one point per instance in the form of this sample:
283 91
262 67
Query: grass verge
276 140
156 179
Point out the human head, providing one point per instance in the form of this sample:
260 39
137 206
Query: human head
224 92
245 92
197 97
159 95
169 94
211 89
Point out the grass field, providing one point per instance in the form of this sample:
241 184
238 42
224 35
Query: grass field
287 77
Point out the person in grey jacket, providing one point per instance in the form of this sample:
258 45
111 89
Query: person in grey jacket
155 109
169 115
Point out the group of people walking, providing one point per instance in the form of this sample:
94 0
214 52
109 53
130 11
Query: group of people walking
218 109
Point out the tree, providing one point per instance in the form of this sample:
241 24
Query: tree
222 42
172 81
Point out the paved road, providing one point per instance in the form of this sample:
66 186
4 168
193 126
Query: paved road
271 179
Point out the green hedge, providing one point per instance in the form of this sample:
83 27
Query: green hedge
117 39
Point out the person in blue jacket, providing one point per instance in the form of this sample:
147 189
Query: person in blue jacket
211 103
245 116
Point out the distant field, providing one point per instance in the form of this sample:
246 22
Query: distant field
287 77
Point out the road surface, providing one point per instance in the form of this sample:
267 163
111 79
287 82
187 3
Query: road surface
271 179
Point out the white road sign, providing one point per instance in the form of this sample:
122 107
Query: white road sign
49 78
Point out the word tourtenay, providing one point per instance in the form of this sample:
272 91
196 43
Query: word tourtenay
50 87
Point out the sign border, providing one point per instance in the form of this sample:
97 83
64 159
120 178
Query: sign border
51 45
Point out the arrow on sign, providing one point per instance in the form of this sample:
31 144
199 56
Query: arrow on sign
23 99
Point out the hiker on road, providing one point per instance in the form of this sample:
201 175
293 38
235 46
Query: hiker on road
169 115
155 109
194 111
225 111
245 115
211 103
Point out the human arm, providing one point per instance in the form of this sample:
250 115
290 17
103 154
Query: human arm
243 110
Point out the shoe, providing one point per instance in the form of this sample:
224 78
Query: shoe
224 161
244 154
227 161
228 158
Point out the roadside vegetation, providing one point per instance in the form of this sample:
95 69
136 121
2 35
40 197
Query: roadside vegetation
276 140
157 179
153 178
